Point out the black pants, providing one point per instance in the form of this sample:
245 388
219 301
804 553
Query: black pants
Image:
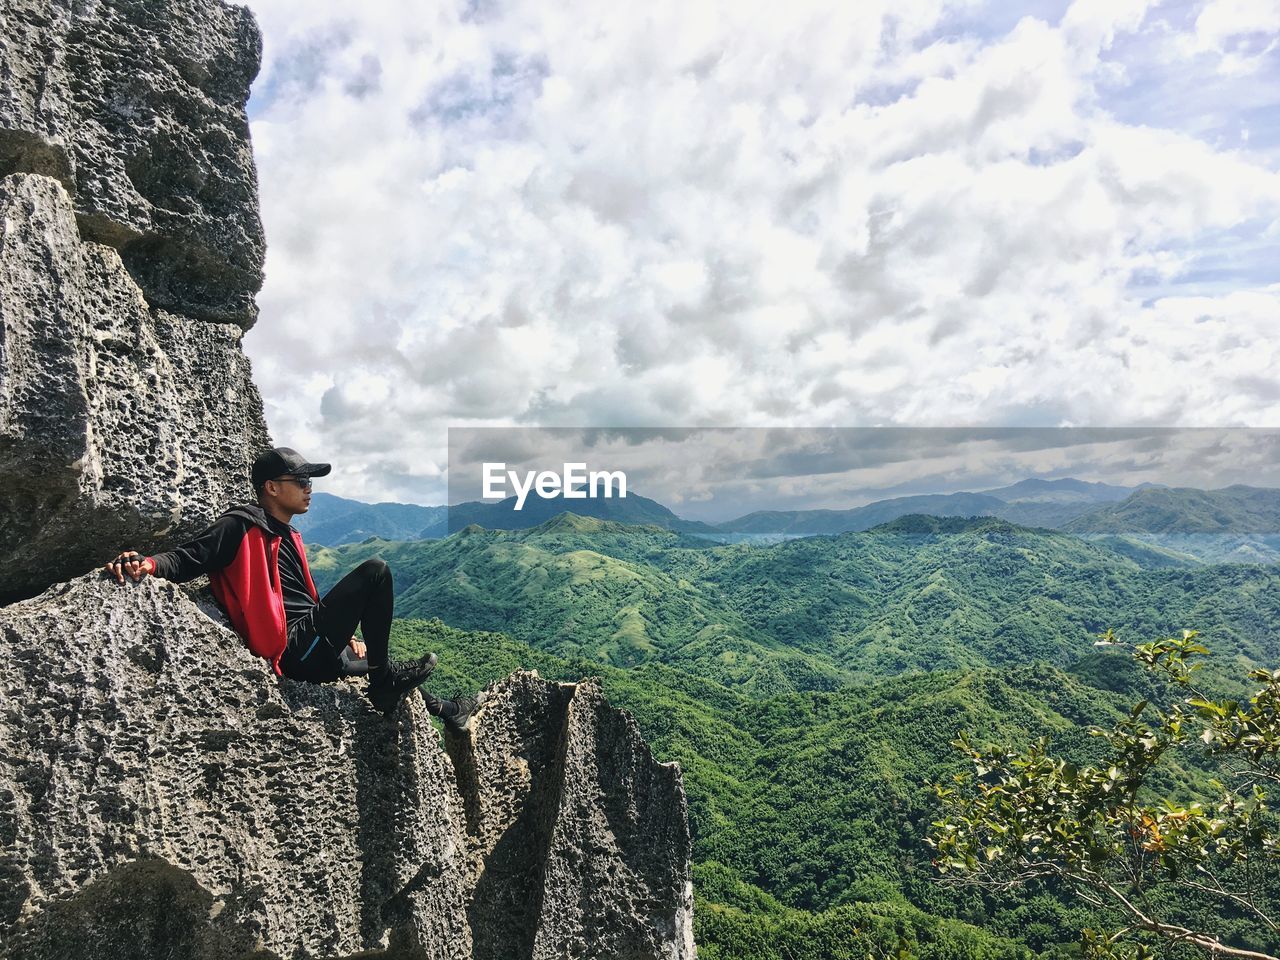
317 640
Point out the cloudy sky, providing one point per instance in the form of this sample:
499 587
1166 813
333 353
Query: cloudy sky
748 213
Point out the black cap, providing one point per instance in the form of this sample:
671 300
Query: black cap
281 460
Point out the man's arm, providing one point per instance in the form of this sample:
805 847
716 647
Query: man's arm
212 550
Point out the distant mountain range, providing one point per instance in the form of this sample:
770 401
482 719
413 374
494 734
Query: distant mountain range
335 520
1032 502
632 509
1065 490
1236 524
813 522
1185 510
332 520
1233 524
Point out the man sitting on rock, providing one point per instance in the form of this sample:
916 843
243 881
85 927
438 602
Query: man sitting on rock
257 567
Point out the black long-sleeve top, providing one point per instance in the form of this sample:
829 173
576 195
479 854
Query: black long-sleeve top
217 546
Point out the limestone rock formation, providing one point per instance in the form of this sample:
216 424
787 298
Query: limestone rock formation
138 108
156 778
120 425
130 253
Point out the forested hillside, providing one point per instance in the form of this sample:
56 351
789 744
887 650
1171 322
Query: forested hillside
809 810
917 594
1184 510
578 586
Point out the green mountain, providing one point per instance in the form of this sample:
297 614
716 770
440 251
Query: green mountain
632 508
1195 548
577 586
925 593
1052 503
827 522
1145 553
1064 490
915 595
1236 524
1031 502
810 691
333 520
1183 510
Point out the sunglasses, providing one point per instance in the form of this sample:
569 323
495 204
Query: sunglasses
303 482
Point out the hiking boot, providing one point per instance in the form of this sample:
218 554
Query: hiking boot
457 713
426 662
397 680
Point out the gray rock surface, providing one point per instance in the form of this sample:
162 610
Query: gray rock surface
141 911
138 108
147 760
120 426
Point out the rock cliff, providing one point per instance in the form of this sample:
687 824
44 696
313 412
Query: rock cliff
150 768
130 253
138 109
120 425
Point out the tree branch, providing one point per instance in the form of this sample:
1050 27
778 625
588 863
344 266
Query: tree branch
1175 933
1246 902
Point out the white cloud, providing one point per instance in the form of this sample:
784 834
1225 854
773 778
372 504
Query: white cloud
733 213
1092 25
1224 23
1238 36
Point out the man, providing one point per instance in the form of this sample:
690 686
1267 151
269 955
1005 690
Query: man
257 567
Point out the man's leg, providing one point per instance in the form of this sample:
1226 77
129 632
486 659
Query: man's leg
307 656
364 598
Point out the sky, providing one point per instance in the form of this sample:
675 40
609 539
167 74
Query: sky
751 214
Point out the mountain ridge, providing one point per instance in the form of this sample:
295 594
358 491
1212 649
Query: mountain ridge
1077 506
917 593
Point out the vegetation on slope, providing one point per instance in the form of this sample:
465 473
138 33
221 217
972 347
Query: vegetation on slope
1186 510
919 594
812 805
582 587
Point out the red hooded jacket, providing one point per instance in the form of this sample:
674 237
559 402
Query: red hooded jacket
249 590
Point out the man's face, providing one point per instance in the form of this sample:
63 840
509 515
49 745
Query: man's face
290 493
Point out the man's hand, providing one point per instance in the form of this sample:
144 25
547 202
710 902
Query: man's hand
357 647
132 563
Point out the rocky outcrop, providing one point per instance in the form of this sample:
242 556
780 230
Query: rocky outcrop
120 425
151 770
130 253
138 109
